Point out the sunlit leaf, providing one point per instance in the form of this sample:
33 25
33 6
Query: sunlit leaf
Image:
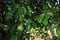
40 18
44 21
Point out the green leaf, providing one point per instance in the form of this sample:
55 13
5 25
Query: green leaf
17 5
21 18
29 9
53 20
12 28
20 13
47 16
34 24
44 21
14 37
46 9
27 25
9 15
53 26
44 35
40 18
32 30
58 32
21 10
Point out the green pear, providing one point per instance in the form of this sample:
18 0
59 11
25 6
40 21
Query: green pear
20 27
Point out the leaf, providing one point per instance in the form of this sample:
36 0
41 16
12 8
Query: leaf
21 18
21 10
14 37
53 26
29 9
27 2
17 5
32 30
12 28
53 20
58 32
34 24
40 18
47 16
44 35
20 13
44 21
27 25
9 15
46 9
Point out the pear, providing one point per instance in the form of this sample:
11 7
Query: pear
20 27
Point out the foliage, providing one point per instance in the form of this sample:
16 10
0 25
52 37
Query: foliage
20 18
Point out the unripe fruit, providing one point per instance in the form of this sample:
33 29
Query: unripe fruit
20 28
